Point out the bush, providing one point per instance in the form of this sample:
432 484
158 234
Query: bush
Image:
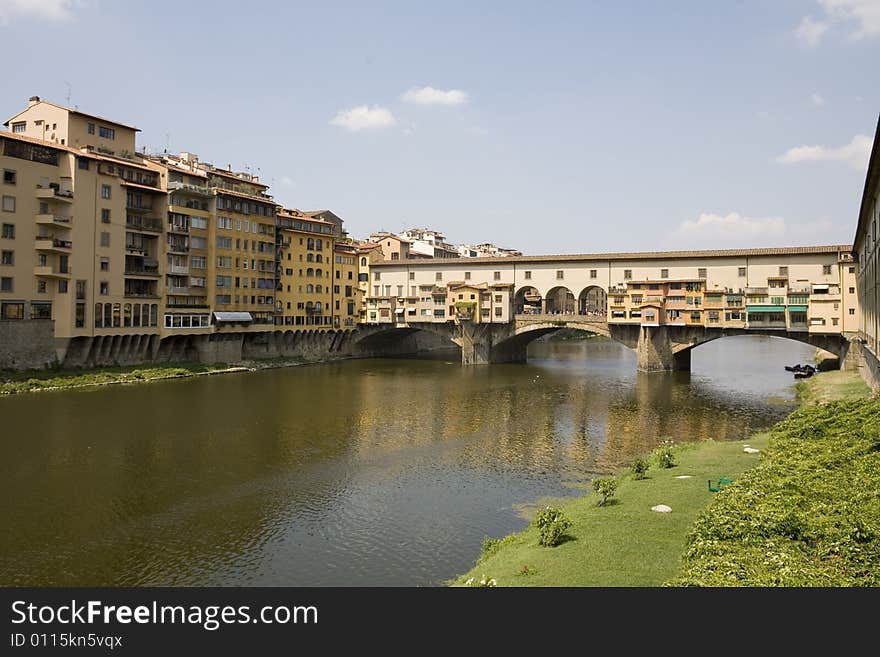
606 487
552 525
639 468
664 455
490 547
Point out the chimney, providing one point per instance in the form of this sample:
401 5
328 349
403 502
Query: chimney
33 100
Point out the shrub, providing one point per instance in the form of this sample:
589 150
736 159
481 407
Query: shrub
639 468
552 525
490 547
606 488
664 455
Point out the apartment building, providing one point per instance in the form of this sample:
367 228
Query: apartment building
305 269
486 250
347 298
867 252
81 225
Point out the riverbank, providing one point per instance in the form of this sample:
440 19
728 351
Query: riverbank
628 544
12 383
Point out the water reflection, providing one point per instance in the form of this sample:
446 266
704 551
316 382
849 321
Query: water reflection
372 472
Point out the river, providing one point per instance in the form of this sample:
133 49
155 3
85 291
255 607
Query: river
363 472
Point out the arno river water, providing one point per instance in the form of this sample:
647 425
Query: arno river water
365 472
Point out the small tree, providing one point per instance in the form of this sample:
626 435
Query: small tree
639 468
552 525
605 487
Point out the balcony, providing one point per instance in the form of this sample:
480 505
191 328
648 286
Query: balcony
178 228
798 289
54 220
150 224
48 271
134 206
149 271
178 269
137 294
753 324
178 247
189 189
136 249
177 289
53 245
761 291
55 194
194 306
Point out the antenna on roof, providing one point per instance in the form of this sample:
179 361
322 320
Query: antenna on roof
167 141
68 93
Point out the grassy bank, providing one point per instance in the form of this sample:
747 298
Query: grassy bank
624 543
808 515
54 379
627 544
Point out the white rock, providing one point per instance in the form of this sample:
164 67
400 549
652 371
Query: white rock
683 477
661 508
751 450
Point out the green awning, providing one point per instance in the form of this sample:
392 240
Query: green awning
766 309
797 309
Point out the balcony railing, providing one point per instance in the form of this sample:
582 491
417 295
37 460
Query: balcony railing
178 269
151 224
178 289
142 271
52 244
757 290
55 220
52 272
191 189
177 228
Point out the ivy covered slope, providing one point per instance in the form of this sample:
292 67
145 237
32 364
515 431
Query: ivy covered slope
808 515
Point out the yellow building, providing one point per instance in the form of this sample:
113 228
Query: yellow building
305 270
347 297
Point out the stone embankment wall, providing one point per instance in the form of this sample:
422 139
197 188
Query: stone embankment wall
26 345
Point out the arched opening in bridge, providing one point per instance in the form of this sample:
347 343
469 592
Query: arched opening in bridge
393 342
560 301
593 302
527 301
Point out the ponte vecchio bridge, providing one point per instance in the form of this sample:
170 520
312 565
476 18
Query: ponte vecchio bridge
661 304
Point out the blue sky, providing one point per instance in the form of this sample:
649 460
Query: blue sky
549 127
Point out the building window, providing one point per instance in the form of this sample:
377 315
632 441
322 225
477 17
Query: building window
41 287
105 239
105 264
6 284
852 311
375 290
852 270
104 288
7 258
467 276
528 275
90 128
560 274
8 177
62 287
664 273
105 191
627 274
106 133
105 215
438 276
741 272
377 276
701 272
497 275
8 232
826 269
783 271
412 275
19 126
8 204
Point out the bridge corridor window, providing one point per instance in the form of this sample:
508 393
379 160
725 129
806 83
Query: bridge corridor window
560 274
594 273
627 274
528 275
701 272
664 273
742 272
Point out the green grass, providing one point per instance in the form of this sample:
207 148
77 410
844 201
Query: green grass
623 543
34 380
829 386
808 515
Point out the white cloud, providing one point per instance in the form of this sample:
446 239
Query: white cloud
862 17
864 13
817 99
432 96
855 153
810 32
732 226
287 181
52 10
363 117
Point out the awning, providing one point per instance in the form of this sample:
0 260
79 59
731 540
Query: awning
797 309
241 317
766 309
820 287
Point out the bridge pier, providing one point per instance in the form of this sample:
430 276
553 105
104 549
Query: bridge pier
655 352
